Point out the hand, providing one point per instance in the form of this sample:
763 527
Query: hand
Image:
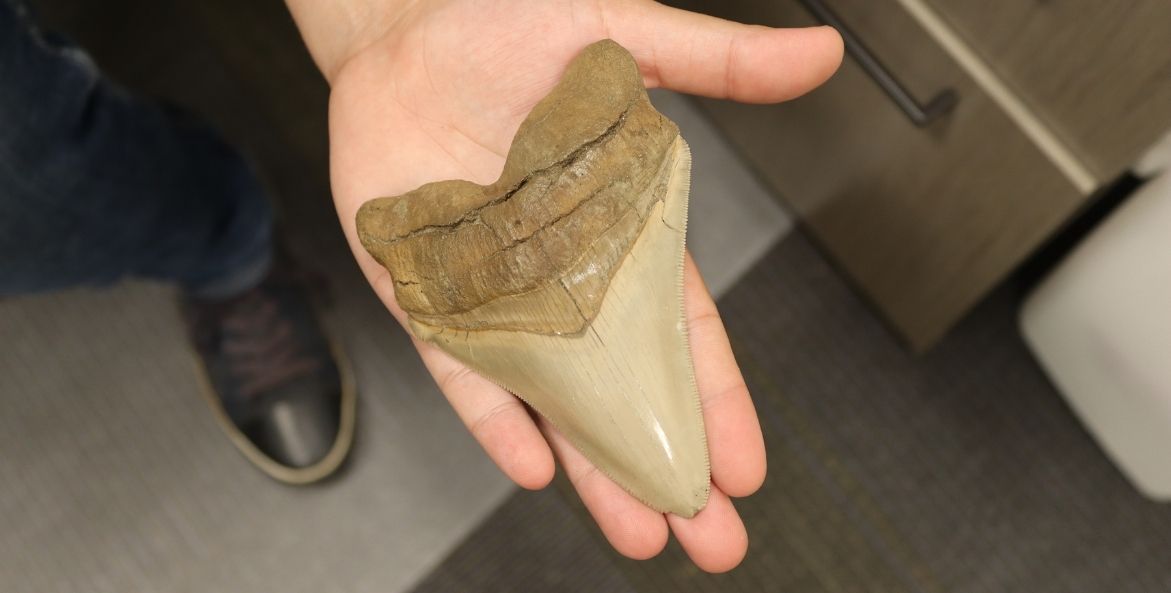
438 92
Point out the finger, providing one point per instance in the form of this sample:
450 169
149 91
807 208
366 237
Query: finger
735 444
497 419
715 538
635 530
704 55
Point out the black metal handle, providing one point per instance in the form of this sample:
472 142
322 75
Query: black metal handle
920 115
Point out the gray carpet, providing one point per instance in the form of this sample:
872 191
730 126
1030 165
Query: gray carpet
960 472
535 542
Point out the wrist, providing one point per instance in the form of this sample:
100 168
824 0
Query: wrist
335 31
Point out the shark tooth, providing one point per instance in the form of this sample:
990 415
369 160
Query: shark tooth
563 280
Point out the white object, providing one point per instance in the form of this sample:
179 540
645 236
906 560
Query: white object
1100 325
1157 158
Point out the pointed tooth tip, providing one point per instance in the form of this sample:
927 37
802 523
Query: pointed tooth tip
688 504
684 491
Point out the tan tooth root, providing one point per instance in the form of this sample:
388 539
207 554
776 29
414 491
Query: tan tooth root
563 280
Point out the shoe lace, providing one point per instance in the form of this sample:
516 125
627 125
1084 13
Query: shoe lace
261 345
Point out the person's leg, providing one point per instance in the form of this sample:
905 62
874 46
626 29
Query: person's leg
97 184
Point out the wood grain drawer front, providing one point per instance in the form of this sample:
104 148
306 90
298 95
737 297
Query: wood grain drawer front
1097 72
925 221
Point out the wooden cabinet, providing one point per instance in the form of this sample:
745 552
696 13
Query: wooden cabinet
925 221
1098 72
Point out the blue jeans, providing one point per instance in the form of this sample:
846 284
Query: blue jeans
97 184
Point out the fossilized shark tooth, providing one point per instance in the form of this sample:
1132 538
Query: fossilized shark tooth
563 280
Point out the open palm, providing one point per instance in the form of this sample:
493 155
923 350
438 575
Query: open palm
440 94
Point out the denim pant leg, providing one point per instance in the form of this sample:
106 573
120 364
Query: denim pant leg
96 184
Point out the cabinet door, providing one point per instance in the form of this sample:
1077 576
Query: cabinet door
1097 72
924 220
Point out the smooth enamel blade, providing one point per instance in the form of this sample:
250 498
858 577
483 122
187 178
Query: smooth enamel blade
563 281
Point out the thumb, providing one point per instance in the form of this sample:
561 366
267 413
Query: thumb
703 55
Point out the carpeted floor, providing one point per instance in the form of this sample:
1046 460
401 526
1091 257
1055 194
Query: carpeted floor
959 472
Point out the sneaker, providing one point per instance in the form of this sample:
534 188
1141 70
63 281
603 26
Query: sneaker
278 386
